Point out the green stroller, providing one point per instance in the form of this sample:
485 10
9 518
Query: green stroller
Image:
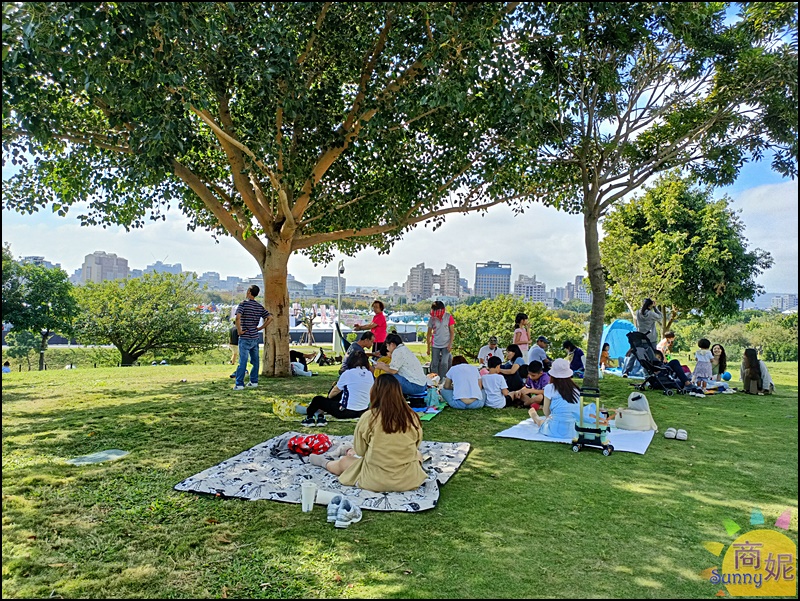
596 436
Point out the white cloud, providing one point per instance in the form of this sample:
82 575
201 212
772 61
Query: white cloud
541 241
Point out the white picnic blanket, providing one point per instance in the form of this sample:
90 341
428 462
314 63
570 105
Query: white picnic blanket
629 441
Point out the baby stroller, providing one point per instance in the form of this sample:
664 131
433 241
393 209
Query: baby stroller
657 375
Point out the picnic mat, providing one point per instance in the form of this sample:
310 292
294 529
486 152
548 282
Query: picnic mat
426 414
99 457
255 474
629 441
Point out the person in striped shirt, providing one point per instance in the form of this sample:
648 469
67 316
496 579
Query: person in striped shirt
248 315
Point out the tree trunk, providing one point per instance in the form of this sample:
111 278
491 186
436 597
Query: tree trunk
42 348
598 283
275 272
127 358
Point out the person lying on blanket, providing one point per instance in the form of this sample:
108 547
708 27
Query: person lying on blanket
561 407
349 397
385 455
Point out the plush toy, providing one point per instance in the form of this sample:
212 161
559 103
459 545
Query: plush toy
316 444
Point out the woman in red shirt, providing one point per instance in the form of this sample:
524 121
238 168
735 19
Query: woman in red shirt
378 327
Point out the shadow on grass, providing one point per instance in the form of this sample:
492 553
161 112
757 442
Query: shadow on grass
518 519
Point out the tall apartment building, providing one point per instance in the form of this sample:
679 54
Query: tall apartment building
449 281
529 289
464 285
492 279
784 302
581 293
419 285
211 279
100 266
329 286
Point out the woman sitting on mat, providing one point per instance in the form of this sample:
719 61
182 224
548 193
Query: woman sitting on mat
561 407
385 456
510 369
349 397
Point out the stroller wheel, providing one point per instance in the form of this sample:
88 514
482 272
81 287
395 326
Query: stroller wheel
576 448
669 392
608 450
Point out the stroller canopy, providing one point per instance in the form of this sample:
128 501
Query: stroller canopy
615 334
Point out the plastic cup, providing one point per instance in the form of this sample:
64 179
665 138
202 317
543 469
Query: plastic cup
308 492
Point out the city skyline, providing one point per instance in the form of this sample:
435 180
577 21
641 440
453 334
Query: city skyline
541 241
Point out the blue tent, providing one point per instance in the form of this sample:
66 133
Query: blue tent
615 334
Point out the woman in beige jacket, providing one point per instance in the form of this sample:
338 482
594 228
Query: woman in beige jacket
385 455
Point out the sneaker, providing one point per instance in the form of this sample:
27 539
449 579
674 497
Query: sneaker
238 387
349 513
252 384
309 422
321 421
333 508
624 375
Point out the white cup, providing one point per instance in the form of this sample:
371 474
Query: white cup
308 491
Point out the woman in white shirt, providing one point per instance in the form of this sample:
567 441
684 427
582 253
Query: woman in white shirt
405 367
462 385
348 399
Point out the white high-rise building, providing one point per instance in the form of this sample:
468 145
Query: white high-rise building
100 266
529 289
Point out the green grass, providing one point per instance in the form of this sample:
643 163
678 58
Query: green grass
519 519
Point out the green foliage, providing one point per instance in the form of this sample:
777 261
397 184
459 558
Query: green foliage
679 246
495 317
156 312
12 287
577 306
774 336
21 343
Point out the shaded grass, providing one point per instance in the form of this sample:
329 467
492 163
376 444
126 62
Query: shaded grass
519 519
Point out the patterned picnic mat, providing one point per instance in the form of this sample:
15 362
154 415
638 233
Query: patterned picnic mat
255 474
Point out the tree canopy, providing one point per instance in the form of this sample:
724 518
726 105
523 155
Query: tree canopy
290 126
679 246
39 301
155 312
637 88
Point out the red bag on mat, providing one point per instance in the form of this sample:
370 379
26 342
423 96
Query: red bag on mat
315 444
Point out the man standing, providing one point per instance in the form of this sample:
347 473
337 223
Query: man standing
248 314
490 350
441 331
538 352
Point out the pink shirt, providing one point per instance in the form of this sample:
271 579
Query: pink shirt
380 327
524 339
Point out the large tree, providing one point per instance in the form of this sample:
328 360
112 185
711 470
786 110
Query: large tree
155 312
289 126
681 247
639 88
47 304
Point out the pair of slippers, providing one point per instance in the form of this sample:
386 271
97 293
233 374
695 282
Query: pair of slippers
676 434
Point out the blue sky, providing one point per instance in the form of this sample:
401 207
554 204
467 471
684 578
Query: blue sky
541 242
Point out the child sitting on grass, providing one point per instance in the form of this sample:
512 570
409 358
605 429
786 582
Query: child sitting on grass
561 408
495 389
532 395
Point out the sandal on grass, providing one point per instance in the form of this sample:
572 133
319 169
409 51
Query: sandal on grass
681 435
670 433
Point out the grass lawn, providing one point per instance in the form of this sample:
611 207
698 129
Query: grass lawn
519 519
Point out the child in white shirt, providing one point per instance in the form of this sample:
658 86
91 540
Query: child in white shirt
495 389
